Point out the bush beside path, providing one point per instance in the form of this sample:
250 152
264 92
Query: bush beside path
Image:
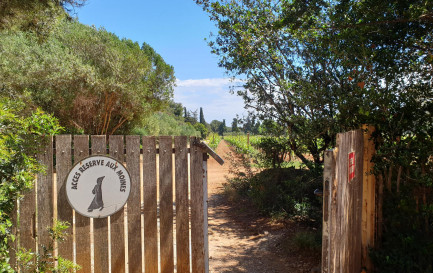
242 240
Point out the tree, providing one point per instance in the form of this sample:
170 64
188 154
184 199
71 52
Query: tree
202 129
90 79
235 125
321 67
280 72
176 108
202 121
214 125
222 128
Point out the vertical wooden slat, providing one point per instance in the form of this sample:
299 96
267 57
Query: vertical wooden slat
82 224
333 209
64 210
100 225
182 206
166 203
150 205
197 217
134 203
45 196
205 220
369 199
117 220
27 218
12 244
327 179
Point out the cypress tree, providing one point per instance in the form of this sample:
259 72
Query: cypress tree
202 121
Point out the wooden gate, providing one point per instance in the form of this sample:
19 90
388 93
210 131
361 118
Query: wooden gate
163 227
348 204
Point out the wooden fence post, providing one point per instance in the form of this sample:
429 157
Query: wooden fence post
328 179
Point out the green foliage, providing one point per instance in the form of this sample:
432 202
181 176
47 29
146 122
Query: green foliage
240 142
44 261
91 80
22 133
274 151
37 16
408 244
200 127
222 128
202 120
213 140
286 192
214 125
164 124
308 241
317 68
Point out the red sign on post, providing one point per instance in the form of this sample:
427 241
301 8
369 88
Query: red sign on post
351 172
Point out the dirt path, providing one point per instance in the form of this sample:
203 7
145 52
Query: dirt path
242 241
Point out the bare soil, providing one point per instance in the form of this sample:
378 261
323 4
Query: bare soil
243 240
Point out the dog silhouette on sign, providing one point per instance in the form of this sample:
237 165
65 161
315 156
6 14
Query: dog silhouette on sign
97 202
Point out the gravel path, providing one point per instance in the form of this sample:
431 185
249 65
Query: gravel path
240 240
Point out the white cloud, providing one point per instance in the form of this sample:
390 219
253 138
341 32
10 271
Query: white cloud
216 82
213 95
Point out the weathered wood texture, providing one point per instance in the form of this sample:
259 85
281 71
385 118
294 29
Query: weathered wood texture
100 226
369 199
134 204
45 196
27 218
71 150
197 221
182 205
150 205
116 147
166 204
64 211
344 215
329 166
13 246
82 224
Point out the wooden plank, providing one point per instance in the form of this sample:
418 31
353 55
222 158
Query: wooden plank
197 217
327 179
205 220
45 196
100 225
12 244
116 144
207 149
134 204
27 218
182 206
332 219
64 210
166 203
150 205
369 199
82 224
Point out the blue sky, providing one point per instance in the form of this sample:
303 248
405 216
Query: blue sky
176 29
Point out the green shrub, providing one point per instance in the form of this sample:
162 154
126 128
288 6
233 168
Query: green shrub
274 151
213 140
308 240
284 192
22 132
164 124
407 244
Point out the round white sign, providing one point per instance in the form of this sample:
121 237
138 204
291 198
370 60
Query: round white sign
98 186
